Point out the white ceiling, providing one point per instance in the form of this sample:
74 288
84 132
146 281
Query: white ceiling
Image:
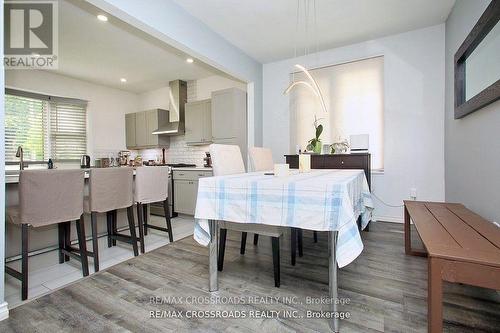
105 52
265 29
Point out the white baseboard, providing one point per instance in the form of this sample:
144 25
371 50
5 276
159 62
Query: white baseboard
395 219
4 311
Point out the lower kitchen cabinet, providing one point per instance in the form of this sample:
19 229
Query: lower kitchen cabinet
186 189
185 196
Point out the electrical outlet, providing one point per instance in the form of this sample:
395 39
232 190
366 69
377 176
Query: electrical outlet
413 193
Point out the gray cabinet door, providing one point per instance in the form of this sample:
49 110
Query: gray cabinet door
130 130
223 115
141 135
207 122
151 125
185 192
194 116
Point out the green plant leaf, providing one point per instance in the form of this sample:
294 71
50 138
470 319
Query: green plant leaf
319 130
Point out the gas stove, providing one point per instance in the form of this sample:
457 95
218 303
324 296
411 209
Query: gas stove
180 165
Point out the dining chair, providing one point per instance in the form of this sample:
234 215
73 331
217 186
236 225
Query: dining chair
151 185
227 160
110 189
261 159
48 197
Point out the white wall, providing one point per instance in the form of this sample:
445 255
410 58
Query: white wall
205 86
472 143
413 112
106 106
155 99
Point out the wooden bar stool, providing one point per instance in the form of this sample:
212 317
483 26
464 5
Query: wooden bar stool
110 189
151 185
49 197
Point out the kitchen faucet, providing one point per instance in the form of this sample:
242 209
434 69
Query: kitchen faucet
20 154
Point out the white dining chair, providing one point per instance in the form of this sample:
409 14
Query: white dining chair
261 159
227 160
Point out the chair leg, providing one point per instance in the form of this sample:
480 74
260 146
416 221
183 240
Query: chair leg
276 260
67 238
131 225
109 220
315 234
24 263
145 219
60 229
243 242
168 220
95 247
140 221
222 249
114 225
293 244
255 239
82 245
299 236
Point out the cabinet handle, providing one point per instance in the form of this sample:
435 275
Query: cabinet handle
181 174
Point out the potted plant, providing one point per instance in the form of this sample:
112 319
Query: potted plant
315 143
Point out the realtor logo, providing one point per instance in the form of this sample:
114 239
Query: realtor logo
30 34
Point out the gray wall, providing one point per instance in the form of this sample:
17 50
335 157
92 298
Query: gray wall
472 144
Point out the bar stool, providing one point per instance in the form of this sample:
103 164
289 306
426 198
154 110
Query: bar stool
227 160
49 197
151 185
110 189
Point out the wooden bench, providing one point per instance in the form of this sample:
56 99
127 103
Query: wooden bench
461 247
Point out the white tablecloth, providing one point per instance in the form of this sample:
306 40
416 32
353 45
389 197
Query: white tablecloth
321 199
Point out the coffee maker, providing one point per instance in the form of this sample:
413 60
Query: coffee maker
123 157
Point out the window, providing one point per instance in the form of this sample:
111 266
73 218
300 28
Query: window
45 126
353 94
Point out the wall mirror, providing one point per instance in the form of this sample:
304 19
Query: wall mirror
477 64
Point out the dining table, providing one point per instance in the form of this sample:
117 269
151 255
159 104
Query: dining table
328 200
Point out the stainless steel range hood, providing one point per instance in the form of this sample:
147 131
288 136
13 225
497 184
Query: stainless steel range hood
178 98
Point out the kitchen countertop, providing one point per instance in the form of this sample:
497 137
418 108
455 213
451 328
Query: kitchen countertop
193 168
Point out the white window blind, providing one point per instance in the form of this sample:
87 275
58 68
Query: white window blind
354 96
25 125
68 130
45 126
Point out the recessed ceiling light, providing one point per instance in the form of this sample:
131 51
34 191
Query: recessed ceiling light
123 80
189 60
103 18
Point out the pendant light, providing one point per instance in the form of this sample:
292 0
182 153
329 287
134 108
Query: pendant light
311 84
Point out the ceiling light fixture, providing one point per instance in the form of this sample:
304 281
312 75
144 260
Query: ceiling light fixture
189 60
102 18
123 80
312 84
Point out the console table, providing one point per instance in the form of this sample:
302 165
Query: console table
337 161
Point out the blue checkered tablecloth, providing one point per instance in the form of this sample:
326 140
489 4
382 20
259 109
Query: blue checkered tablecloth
322 200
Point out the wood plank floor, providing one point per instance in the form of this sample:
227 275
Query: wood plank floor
387 292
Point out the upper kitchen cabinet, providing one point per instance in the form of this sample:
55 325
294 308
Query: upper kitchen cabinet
139 129
198 122
130 129
229 118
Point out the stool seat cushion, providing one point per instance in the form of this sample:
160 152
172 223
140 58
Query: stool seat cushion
13 215
260 229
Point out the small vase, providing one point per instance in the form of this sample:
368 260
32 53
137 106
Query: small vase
317 147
